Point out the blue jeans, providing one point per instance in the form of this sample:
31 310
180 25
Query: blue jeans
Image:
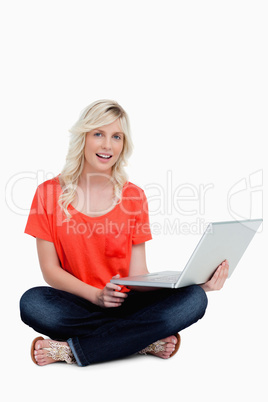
97 334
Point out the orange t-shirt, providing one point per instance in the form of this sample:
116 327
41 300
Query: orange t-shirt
93 249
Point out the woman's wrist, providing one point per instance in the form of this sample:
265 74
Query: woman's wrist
93 295
96 296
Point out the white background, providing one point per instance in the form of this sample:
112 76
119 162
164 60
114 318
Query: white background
192 76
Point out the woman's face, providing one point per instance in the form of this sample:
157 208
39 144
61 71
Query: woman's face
103 147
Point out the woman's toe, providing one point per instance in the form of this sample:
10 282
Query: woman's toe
171 339
38 345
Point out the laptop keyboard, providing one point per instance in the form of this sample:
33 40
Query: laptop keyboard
167 278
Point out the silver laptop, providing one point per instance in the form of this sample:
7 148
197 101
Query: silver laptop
220 241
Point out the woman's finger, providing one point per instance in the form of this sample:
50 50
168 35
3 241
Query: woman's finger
114 292
113 300
110 304
218 279
222 275
117 294
112 286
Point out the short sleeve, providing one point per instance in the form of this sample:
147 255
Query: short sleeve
142 230
38 220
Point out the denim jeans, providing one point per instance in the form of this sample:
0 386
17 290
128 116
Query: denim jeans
97 334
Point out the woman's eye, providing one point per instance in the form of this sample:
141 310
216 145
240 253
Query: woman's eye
97 134
117 137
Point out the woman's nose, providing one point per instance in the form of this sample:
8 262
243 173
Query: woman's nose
106 144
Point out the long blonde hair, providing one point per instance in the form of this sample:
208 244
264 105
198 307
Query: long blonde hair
95 115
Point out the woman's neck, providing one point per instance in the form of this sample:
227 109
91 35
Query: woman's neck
95 179
95 194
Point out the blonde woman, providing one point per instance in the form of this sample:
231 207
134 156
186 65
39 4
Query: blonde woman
90 225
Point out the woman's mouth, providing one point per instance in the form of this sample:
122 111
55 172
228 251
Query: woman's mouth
104 156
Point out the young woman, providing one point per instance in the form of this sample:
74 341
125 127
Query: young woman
90 225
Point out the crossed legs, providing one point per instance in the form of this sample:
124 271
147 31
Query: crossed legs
95 334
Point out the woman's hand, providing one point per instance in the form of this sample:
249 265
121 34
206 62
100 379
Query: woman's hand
218 279
110 295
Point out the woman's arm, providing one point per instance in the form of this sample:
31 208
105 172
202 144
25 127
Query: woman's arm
138 264
56 277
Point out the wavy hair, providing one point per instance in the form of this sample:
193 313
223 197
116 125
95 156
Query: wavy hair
97 114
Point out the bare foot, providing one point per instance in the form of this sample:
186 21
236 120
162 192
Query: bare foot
40 354
169 347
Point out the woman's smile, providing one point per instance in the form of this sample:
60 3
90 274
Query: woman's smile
104 156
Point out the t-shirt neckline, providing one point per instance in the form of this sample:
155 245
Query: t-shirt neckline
71 207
